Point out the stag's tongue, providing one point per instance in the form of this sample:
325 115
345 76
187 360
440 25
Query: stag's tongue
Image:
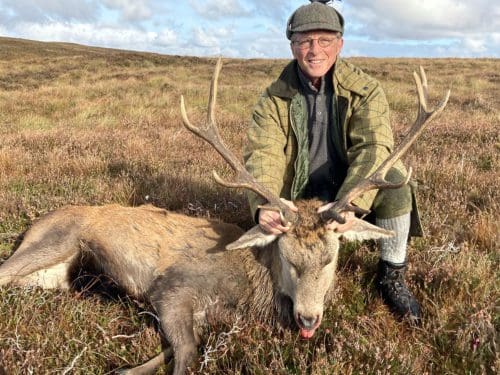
307 333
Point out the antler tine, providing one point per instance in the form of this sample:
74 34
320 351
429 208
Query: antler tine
422 88
212 99
377 179
210 133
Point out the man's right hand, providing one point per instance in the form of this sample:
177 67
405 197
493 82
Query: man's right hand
270 220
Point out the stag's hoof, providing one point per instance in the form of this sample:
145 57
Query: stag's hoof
396 295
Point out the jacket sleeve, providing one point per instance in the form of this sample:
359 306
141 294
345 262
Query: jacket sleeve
264 152
369 141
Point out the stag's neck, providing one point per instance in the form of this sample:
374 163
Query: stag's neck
265 300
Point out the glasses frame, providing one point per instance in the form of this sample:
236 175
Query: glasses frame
306 43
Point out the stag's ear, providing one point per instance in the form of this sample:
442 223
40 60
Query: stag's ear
254 237
362 230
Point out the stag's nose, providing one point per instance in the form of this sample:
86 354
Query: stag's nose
308 322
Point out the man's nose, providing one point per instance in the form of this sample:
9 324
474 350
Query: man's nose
314 45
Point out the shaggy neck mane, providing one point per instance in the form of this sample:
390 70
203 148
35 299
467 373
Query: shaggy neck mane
265 301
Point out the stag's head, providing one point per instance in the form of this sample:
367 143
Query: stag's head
306 255
305 259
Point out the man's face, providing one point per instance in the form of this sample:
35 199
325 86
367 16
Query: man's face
316 52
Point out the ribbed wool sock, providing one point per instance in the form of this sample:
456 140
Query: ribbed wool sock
393 249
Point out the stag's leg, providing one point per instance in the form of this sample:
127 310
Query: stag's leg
44 257
150 366
47 269
177 322
175 311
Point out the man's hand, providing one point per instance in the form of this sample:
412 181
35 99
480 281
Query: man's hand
270 220
336 226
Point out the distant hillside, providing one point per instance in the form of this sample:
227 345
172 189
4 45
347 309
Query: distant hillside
14 48
41 57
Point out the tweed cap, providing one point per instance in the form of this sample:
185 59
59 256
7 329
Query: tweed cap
315 16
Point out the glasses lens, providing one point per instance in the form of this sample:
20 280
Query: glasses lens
304 44
325 42
322 42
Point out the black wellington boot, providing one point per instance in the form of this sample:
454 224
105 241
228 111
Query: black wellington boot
392 287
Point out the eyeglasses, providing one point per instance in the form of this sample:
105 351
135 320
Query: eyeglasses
306 43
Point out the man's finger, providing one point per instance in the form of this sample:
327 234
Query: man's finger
273 229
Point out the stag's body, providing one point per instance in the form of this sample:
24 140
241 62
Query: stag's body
130 245
178 264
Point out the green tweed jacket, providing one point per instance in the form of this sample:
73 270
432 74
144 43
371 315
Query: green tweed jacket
277 150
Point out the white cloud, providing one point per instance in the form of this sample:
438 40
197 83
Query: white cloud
202 38
165 37
475 45
215 39
12 11
421 19
131 10
90 34
444 28
276 9
217 9
479 46
224 32
270 42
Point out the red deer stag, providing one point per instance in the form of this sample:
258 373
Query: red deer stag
180 264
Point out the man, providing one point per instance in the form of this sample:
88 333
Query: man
319 129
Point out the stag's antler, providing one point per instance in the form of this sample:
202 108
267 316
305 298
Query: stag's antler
377 179
210 133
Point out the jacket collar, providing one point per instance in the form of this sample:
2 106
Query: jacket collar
350 78
287 85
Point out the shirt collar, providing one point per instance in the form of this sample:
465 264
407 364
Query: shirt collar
309 87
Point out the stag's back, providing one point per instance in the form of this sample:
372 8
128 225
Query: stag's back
130 245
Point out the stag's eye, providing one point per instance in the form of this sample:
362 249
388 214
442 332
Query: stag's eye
294 270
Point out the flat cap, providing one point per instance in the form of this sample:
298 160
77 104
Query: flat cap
315 16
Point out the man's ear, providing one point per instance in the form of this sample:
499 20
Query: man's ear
254 237
292 50
341 44
362 230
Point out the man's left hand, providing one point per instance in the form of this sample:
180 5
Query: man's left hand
336 226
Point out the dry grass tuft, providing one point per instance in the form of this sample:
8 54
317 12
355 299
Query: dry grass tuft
81 125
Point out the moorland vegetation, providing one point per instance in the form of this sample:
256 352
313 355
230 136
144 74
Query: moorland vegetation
84 125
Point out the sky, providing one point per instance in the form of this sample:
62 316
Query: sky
256 28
